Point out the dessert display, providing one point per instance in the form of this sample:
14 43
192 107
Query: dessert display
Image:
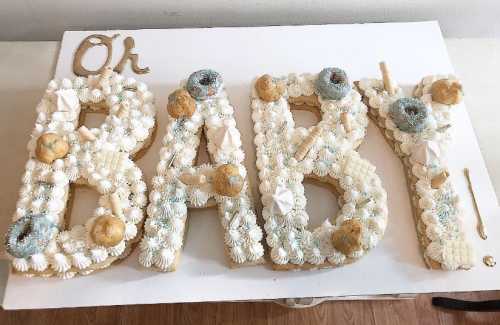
64 154
200 107
418 128
326 152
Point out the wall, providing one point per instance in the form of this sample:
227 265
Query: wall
47 19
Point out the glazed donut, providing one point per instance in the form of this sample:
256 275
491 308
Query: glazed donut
325 152
409 114
203 84
29 235
420 138
61 154
200 106
332 83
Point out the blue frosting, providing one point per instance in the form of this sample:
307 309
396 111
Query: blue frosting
409 114
333 83
203 84
29 235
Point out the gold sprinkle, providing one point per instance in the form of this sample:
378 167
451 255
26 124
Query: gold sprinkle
489 261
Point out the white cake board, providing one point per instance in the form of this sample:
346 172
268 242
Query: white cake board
412 50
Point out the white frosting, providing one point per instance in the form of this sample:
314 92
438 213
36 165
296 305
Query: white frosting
146 258
331 153
98 254
60 263
101 159
39 262
80 261
426 153
170 197
20 264
164 258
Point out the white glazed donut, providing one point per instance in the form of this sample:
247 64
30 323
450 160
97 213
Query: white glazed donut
326 152
423 152
62 153
199 107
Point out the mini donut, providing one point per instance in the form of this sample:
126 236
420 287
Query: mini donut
409 114
332 83
181 104
269 89
29 235
203 84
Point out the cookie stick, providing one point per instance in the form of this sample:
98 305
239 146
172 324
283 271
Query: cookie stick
388 83
481 228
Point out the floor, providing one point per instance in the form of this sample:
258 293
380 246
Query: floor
409 312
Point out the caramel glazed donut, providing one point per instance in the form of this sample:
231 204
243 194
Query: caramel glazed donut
326 152
61 154
418 129
200 106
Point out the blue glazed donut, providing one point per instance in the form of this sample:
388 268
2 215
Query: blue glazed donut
203 84
409 114
333 83
29 235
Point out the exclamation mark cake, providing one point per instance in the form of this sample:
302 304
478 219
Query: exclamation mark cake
200 106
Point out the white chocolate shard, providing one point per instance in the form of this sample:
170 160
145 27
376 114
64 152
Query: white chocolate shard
426 153
67 100
386 76
116 205
86 134
307 144
227 138
282 200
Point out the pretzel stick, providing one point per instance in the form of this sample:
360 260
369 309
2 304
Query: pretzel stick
306 145
190 179
386 76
